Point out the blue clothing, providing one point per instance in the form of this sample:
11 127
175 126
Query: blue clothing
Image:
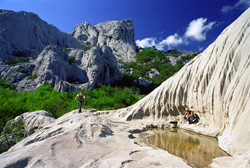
189 119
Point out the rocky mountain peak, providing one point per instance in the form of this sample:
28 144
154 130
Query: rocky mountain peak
118 35
67 61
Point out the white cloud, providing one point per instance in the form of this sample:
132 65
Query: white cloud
242 4
198 29
170 41
146 42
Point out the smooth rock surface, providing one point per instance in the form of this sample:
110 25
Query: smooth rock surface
215 85
88 140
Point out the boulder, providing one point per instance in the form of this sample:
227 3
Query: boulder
173 60
152 73
26 124
215 85
36 120
142 81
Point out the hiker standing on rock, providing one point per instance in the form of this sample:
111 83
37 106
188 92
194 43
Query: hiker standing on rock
80 97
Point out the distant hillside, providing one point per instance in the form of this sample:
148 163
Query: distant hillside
151 67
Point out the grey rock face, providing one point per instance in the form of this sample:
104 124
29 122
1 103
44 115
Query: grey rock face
24 34
85 32
101 66
142 81
97 65
118 35
58 58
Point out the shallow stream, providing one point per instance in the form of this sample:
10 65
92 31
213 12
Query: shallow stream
198 150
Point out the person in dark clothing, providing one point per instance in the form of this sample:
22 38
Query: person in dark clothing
81 98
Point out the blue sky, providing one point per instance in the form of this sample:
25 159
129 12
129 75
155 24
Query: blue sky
166 24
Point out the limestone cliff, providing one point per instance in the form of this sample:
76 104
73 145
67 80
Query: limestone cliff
215 85
30 46
118 35
97 65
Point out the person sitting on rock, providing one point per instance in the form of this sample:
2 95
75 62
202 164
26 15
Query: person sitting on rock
80 97
189 116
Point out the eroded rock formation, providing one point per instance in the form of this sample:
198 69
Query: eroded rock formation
30 46
215 85
97 65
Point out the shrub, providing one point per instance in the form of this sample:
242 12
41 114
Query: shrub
71 59
16 60
21 70
5 84
33 76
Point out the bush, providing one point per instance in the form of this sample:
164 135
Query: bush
16 61
71 59
12 133
5 84
21 70
33 76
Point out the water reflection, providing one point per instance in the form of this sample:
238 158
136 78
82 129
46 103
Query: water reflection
198 150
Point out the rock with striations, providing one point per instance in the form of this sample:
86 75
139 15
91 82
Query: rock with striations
215 85
26 124
118 35
97 65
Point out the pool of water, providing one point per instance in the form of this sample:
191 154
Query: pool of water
198 150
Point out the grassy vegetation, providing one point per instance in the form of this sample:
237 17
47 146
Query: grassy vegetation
21 70
12 61
12 133
33 76
15 103
5 84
